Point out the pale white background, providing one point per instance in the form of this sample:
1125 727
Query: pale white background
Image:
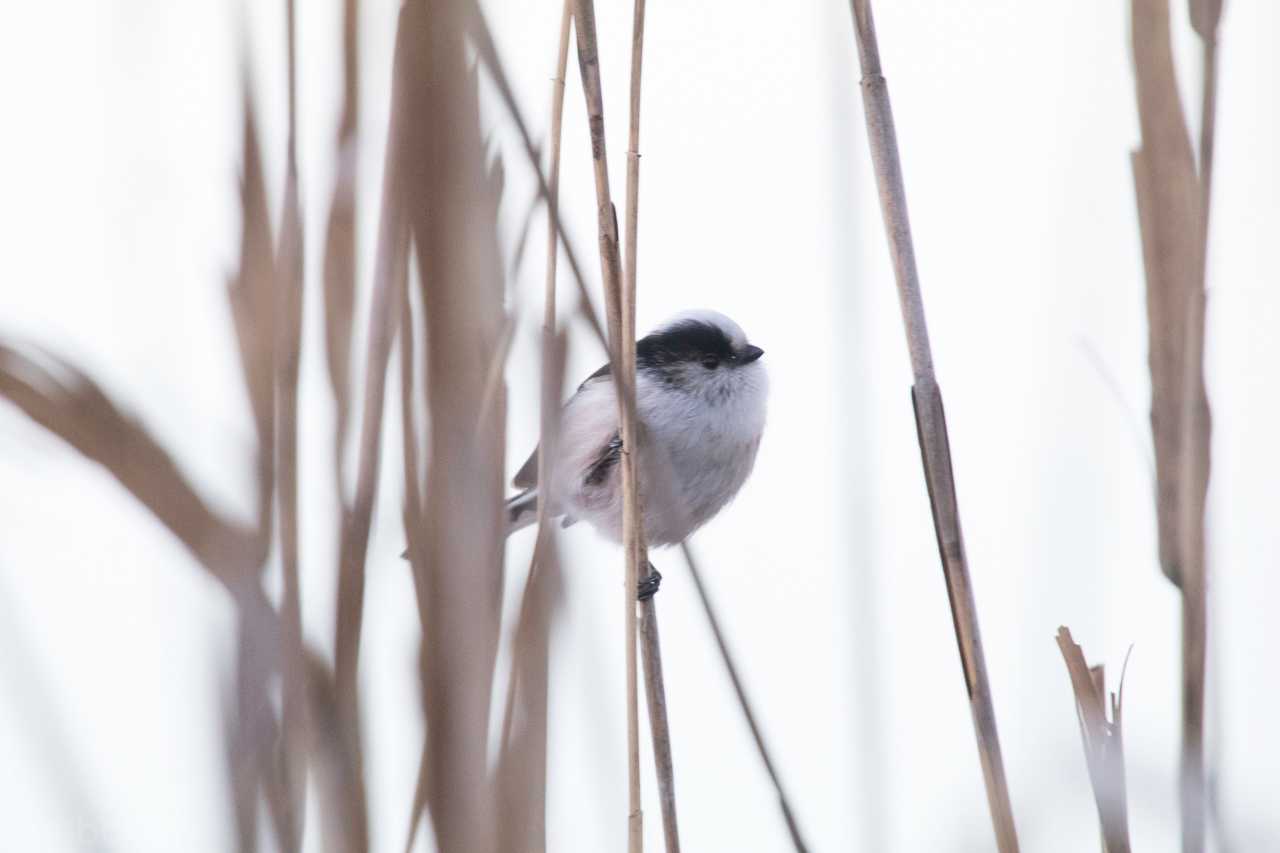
118 163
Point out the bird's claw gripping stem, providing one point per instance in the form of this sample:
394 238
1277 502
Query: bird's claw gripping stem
648 585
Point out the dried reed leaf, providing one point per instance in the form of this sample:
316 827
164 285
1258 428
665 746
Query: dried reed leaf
70 405
1169 218
336 762
1205 15
484 45
1103 743
451 196
340 240
391 261
250 291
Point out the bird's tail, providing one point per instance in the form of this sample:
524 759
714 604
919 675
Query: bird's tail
522 510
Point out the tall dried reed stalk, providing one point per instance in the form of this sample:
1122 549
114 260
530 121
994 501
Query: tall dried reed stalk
931 424
620 315
1173 214
651 646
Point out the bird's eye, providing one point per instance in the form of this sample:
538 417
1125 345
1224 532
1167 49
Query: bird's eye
711 362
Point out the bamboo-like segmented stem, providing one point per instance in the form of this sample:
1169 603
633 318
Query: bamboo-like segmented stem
788 813
620 314
931 423
633 536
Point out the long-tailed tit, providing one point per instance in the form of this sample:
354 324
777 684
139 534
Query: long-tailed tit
700 405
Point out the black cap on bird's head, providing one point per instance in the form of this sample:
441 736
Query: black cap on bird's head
707 338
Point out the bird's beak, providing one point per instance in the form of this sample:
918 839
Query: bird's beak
750 354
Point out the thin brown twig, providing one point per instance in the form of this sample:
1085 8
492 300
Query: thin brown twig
552 347
553 354
633 534
931 424
391 257
620 314
483 41
788 813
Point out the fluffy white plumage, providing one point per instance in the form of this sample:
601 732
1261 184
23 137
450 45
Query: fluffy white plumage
700 399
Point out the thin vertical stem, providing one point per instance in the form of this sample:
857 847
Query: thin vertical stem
620 313
1205 15
288 342
931 424
788 814
655 688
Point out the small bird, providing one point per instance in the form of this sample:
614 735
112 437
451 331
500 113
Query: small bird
700 406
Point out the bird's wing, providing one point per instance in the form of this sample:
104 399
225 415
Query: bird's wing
527 476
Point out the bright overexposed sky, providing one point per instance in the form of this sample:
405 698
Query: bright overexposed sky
119 222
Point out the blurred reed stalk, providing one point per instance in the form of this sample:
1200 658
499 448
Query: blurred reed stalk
288 346
450 198
1173 216
931 423
788 813
1103 742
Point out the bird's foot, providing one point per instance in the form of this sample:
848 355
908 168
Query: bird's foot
648 585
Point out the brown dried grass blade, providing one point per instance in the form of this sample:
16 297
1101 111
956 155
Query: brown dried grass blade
452 201
389 273
340 242
1173 213
1103 743
250 291
482 40
337 767
1169 218
70 405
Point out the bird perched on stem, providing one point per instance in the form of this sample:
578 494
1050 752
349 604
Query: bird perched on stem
700 407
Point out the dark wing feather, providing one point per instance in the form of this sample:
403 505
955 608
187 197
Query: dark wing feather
527 476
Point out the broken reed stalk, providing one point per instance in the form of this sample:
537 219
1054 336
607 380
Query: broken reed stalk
620 315
788 813
1173 215
633 535
931 424
1103 742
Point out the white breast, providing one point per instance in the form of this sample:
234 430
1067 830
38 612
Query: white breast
698 445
